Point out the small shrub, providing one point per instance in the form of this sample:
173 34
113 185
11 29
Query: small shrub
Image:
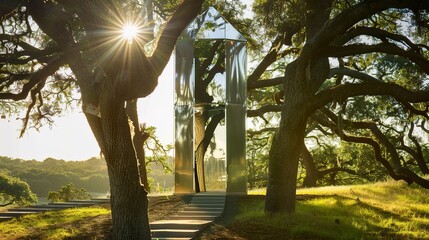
67 193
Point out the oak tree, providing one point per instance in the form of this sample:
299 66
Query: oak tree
331 50
48 46
15 191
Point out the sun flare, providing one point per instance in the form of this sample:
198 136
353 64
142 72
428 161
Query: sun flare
130 32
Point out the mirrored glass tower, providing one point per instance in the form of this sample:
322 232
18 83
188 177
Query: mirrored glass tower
210 107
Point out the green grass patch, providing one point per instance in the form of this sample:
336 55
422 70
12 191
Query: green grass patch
389 210
49 225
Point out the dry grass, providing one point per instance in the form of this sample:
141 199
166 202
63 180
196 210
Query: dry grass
80 223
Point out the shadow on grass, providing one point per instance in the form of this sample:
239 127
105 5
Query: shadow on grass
316 217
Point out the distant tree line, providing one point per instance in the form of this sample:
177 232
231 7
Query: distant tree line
52 174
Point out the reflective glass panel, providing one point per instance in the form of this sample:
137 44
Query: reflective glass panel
210 97
210 77
184 149
210 25
185 74
233 34
213 25
215 160
236 148
210 146
236 58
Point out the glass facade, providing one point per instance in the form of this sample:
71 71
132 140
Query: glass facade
210 107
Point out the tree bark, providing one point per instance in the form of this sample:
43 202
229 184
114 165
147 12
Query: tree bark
139 138
203 136
283 161
200 126
312 175
300 84
303 77
107 76
128 196
287 143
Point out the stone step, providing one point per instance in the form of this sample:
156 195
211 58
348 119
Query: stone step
172 238
106 200
203 209
208 209
5 218
207 205
173 233
179 224
15 213
202 201
63 206
85 202
208 197
77 204
211 194
32 209
199 213
189 217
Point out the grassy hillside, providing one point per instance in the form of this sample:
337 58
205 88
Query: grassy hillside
51 174
388 210
51 225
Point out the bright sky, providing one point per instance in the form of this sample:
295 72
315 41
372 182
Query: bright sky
70 138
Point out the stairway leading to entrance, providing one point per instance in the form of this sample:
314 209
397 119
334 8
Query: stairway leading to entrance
203 209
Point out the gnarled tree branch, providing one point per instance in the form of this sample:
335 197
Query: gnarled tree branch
342 92
48 70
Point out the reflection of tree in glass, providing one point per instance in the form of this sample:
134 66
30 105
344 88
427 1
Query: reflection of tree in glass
209 25
216 90
209 93
209 63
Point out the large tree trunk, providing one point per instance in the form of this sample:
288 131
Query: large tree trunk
110 126
303 77
128 197
288 141
285 151
106 71
283 165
